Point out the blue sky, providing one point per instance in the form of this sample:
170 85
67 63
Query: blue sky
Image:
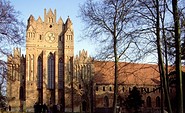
64 9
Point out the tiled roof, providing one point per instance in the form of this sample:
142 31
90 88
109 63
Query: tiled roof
129 73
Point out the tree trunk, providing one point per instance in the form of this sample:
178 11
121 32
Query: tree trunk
160 61
178 55
115 74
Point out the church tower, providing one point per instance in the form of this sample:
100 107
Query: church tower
49 46
15 79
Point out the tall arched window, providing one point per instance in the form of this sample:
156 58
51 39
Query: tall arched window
60 73
29 66
11 68
51 71
158 101
18 72
39 72
106 101
32 68
14 72
148 102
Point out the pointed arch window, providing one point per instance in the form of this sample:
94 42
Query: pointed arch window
29 66
39 73
106 101
18 72
32 68
13 73
50 20
158 101
60 73
148 101
11 69
51 71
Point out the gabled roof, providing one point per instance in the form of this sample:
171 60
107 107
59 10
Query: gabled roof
30 28
39 19
129 73
31 18
60 21
68 24
50 12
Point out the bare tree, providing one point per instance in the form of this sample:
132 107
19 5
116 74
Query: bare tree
178 53
153 16
11 33
110 23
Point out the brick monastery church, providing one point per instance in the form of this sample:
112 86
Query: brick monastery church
45 74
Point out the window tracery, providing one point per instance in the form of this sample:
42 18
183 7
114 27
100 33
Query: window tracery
148 102
51 73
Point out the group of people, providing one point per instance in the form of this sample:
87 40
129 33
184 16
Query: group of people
43 108
40 108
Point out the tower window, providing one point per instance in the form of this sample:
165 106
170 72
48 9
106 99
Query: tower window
50 26
103 88
40 37
69 37
50 19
